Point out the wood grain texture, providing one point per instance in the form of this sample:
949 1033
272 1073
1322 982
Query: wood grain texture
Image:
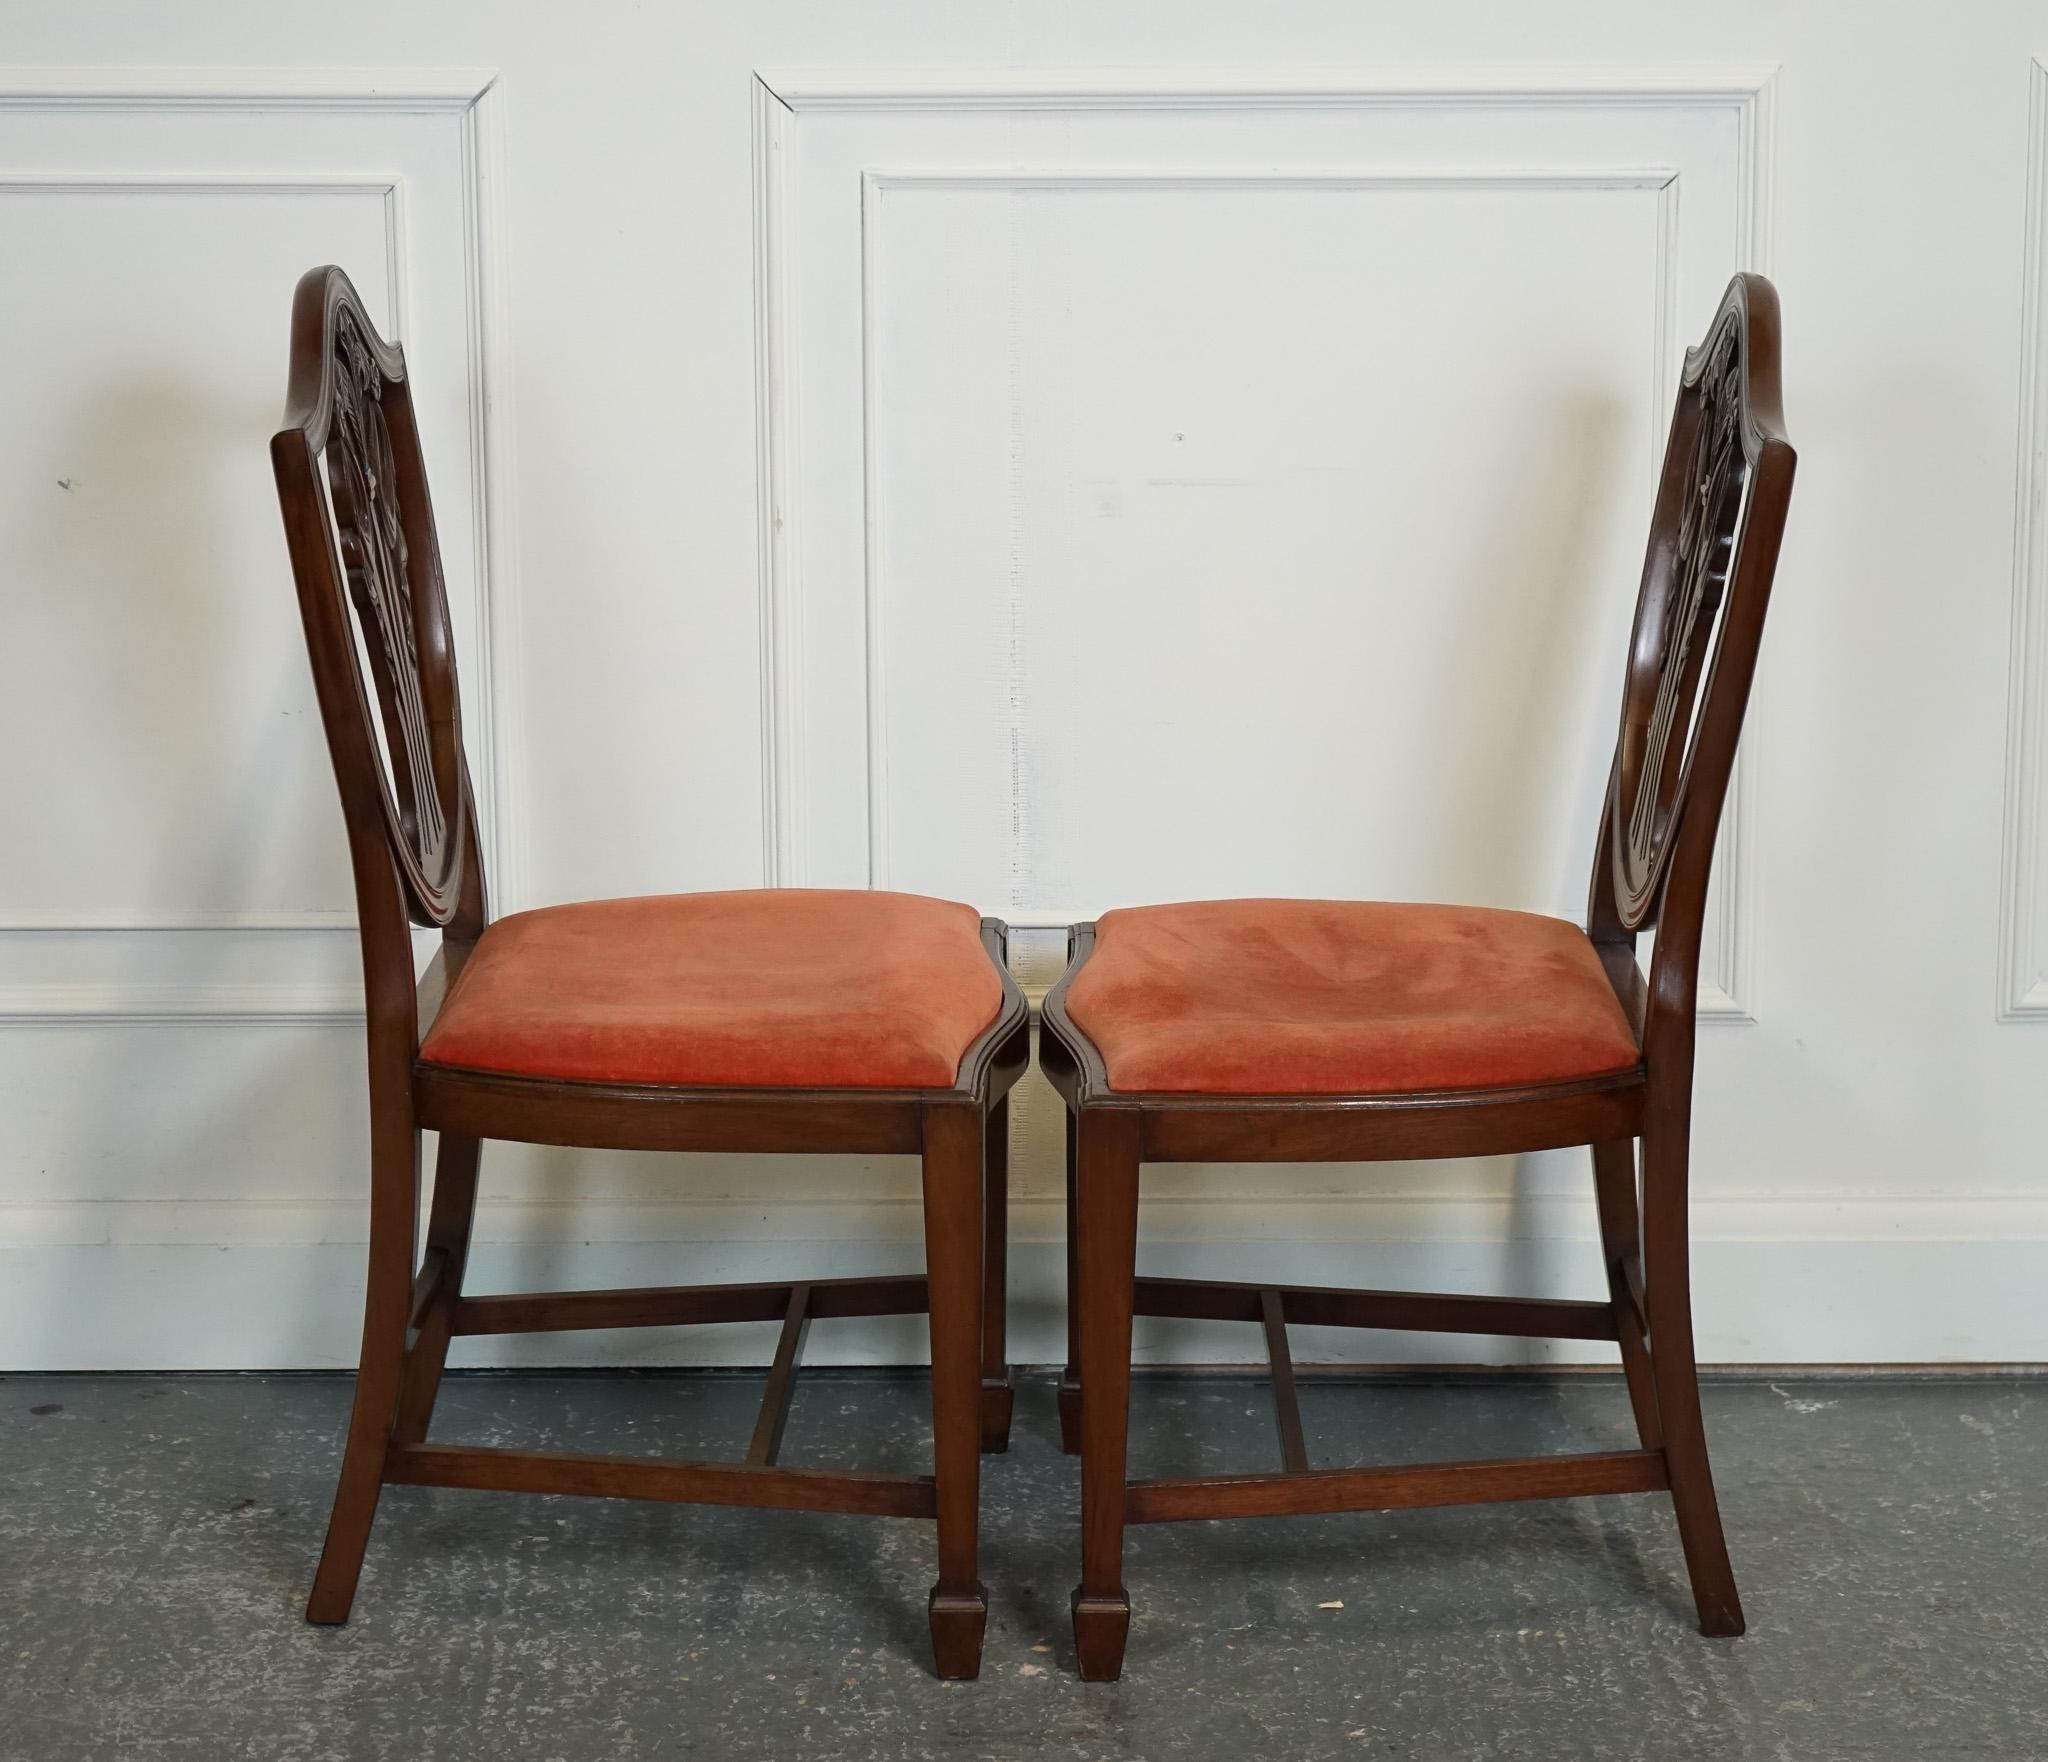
1327 1306
489 1469
670 1306
1323 1490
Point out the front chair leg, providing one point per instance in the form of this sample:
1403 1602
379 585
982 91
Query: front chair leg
953 1237
996 1394
1668 1295
1106 1179
387 1302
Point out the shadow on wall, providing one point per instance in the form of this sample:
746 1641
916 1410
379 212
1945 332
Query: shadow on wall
1529 1262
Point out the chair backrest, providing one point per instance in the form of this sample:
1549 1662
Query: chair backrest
353 489
1713 550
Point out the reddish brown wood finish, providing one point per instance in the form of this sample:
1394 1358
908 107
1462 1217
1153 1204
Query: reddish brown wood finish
1315 1491
1713 550
352 486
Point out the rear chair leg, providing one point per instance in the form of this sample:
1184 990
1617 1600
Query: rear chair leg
1070 1378
954 1143
996 1394
1106 1179
394 1209
448 1230
1621 1245
1669 1295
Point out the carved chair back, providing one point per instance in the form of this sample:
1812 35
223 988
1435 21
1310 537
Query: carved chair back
1713 550
360 526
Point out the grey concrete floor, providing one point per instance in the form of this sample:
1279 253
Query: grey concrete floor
157 1535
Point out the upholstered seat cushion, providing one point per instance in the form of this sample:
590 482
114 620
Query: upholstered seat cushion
779 988
1322 997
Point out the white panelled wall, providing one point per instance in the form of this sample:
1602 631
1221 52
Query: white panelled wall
1054 456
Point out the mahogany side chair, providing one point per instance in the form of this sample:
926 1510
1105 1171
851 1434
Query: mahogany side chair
781 1020
1242 1031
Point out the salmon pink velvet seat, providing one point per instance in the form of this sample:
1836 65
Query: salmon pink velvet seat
1341 997
779 988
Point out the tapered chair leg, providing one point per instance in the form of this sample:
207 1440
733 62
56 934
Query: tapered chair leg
1070 1377
996 1394
954 1143
1668 1280
1106 1180
394 1205
1621 1247
449 1223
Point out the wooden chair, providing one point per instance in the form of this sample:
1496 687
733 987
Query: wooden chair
1297 1031
778 1021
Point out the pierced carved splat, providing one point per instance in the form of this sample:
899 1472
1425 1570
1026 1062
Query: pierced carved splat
381 617
1680 621
362 478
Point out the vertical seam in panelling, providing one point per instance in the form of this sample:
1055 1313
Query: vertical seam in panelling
1733 901
1664 341
397 280
766 511
874 537
778 552
494 573
1020 864
2021 992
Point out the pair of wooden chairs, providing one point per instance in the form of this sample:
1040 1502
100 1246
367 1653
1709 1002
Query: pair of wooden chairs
816 1022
